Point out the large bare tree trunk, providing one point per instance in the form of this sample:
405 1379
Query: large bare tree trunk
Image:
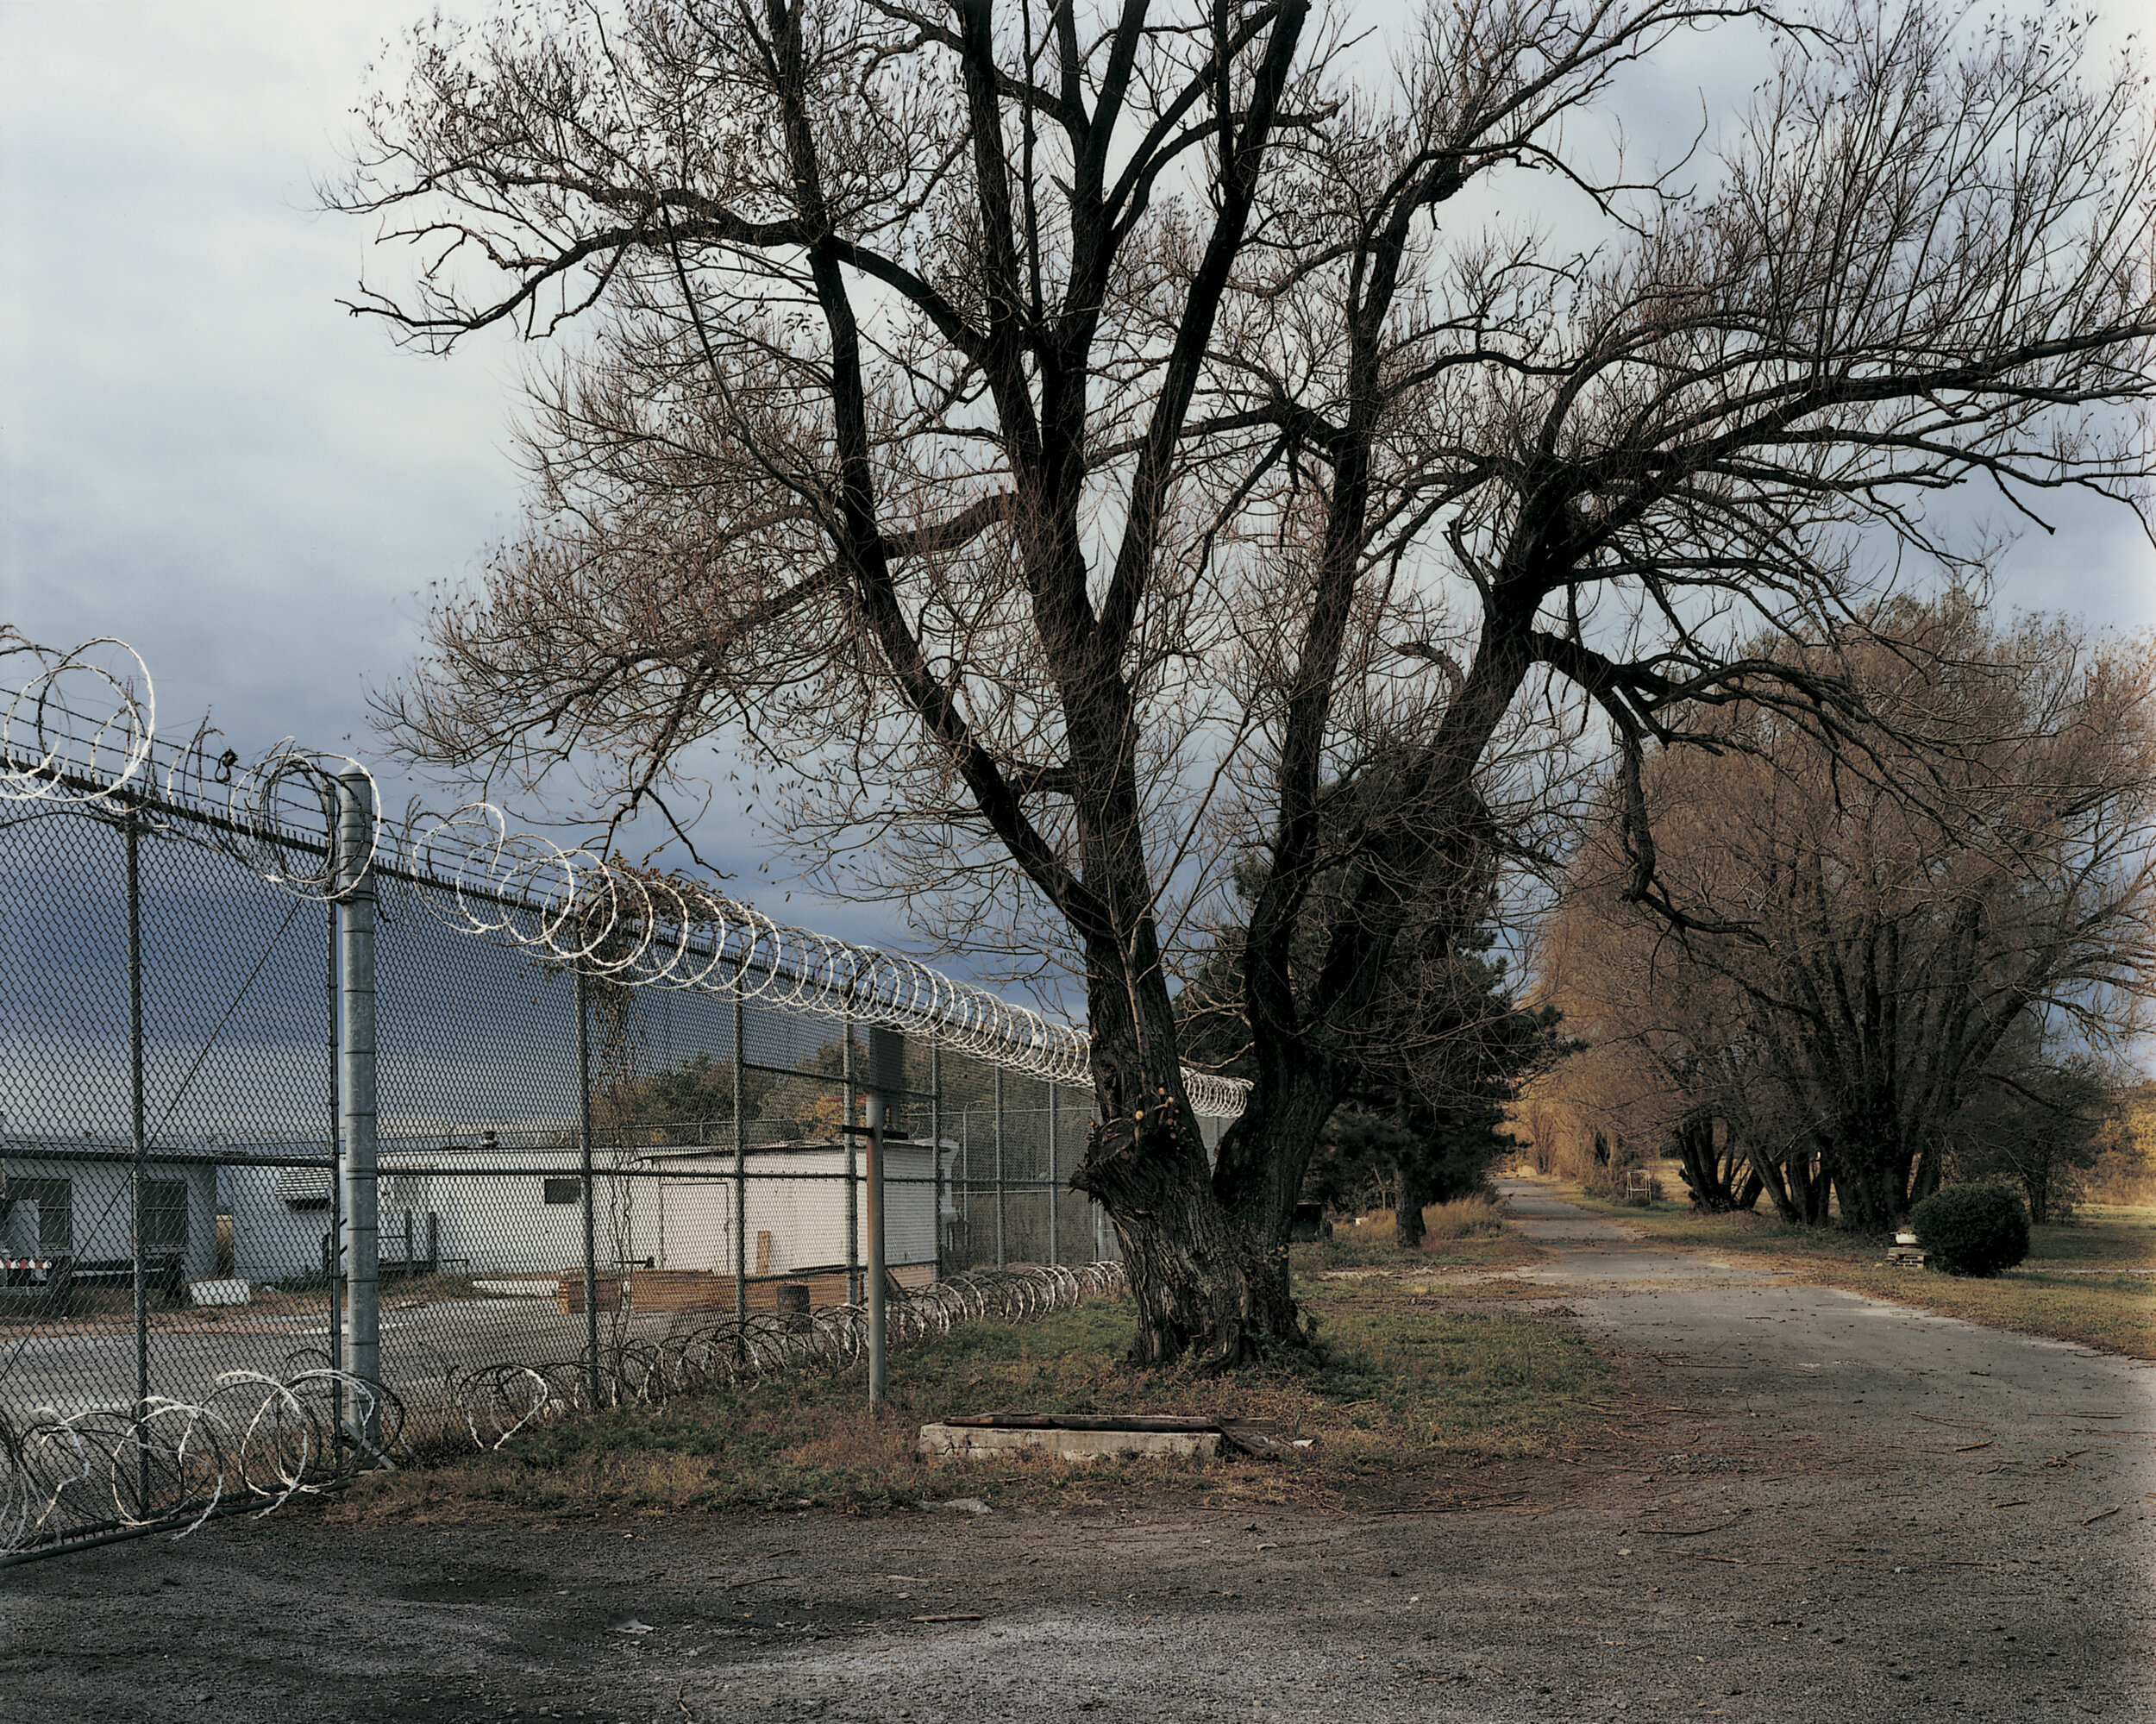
970 511
1410 1193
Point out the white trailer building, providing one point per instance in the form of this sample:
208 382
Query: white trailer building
796 1209
496 1209
76 1199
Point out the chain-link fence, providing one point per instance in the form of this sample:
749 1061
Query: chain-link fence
582 1187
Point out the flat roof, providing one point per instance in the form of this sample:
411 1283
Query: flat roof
793 1146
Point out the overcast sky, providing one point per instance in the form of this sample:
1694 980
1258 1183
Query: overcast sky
201 451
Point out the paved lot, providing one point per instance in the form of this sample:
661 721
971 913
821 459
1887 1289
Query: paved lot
1847 1511
425 1348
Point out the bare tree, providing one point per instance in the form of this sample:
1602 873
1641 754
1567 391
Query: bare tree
1668 1063
2039 1122
1885 932
1076 446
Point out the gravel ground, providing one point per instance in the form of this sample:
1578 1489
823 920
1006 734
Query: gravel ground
1817 1507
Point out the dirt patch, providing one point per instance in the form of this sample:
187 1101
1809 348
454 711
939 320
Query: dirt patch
1796 1504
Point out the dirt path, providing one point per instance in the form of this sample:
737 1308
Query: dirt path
1839 1510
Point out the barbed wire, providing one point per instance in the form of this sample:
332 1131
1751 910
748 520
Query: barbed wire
256 804
648 929
498 1401
80 726
79 729
75 727
257 1440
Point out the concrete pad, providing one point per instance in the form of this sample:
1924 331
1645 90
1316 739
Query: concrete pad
220 1292
976 1442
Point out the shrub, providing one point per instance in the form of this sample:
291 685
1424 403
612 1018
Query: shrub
1972 1229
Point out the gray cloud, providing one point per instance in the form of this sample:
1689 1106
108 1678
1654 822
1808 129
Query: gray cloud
200 451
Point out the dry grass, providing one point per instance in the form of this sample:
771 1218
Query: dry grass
1395 1388
2074 1287
1469 1231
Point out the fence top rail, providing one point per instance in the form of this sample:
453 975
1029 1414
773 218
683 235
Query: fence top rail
78 728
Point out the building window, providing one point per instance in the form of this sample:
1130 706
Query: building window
55 1200
164 1212
565 1190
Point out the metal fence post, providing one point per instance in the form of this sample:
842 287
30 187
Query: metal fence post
936 1141
1099 1222
584 1148
133 828
741 1172
1055 1185
882 1079
356 926
332 1247
999 1258
853 1176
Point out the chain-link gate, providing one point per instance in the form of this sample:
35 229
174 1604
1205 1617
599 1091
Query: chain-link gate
245 1257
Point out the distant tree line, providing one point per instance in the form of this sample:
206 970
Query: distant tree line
1865 966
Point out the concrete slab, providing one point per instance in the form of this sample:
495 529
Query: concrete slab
220 1292
975 1442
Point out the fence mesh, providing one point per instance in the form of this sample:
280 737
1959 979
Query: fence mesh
172 1325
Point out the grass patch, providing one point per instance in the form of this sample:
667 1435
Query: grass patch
2062 1290
1468 1231
1395 1388
2115 1313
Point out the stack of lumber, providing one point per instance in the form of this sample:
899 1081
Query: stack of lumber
568 1292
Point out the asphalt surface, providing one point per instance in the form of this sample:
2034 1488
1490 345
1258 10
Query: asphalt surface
1840 1509
425 1349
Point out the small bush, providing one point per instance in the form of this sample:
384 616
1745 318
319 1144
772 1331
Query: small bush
1972 1229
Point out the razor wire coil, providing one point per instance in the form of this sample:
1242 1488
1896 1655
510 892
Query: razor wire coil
80 726
257 1440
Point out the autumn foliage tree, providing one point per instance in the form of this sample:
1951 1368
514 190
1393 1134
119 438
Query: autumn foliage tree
1888 935
1070 445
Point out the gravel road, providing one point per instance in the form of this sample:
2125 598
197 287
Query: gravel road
1826 1507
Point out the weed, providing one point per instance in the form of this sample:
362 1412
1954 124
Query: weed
1393 1387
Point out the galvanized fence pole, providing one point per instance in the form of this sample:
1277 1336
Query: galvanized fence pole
1000 1256
1055 1185
853 1174
1100 1228
584 1150
332 1244
137 1112
877 1078
741 1171
355 925
935 1152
